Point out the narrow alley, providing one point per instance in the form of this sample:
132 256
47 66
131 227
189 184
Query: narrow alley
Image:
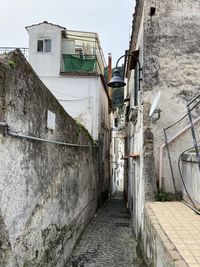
109 240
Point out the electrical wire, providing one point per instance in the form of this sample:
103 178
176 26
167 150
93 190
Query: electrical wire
181 175
78 97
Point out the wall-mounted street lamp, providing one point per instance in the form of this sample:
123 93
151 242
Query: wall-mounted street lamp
117 80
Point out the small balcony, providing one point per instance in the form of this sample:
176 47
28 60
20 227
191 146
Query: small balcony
80 64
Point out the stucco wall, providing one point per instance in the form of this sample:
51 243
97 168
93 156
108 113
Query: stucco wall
48 192
104 133
142 182
191 176
45 64
80 98
84 97
154 244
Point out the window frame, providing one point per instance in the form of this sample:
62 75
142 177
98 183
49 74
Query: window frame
45 47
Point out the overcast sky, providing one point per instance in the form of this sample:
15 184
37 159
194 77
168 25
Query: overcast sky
111 19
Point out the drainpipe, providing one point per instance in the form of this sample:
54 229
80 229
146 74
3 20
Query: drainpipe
110 74
169 142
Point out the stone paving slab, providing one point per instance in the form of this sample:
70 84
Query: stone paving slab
108 241
182 226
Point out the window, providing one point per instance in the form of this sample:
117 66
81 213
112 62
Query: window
47 45
44 45
134 65
40 46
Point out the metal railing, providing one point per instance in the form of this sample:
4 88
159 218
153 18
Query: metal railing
193 108
186 132
6 50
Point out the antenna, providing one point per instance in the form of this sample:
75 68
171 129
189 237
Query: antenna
154 108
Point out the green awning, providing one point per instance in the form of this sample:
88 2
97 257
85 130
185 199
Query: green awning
77 63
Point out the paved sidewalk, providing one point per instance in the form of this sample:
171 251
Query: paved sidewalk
108 241
182 226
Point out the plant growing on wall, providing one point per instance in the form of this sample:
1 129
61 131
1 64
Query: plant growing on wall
11 63
161 196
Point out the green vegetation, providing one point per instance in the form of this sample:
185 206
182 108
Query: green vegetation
81 129
117 97
11 63
162 197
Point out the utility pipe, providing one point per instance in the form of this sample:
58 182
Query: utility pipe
110 74
14 134
162 148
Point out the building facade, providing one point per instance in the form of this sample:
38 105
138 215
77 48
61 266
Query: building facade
162 76
71 64
117 152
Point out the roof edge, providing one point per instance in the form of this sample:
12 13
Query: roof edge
45 22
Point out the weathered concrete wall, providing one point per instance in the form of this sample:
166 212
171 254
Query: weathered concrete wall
171 65
155 246
47 191
191 177
141 176
104 137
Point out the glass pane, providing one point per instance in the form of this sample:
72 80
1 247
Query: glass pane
47 45
40 45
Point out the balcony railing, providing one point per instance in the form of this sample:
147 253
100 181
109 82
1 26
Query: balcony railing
80 63
6 50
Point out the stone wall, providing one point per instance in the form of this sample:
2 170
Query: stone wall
48 192
171 63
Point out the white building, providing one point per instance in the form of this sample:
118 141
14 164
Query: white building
71 65
117 152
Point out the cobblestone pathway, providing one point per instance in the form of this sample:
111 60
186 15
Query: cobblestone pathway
108 241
